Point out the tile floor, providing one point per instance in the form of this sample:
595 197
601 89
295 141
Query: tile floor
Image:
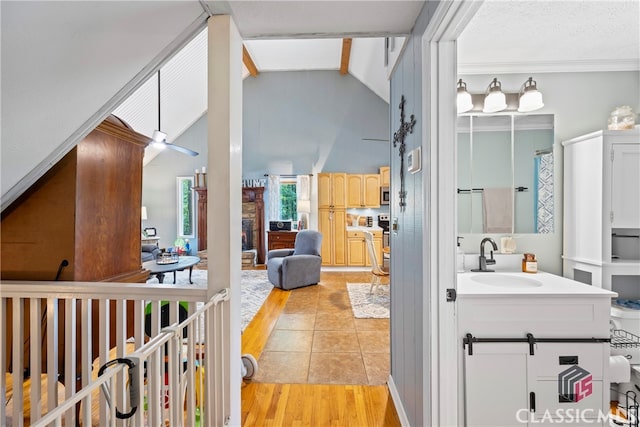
318 341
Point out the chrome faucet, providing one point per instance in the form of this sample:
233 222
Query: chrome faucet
482 260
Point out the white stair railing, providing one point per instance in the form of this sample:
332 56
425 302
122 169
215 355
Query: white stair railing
170 363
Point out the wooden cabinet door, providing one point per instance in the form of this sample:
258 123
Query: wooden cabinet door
339 237
339 190
354 191
355 251
377 246
625 196
371 190
385 176
324 190
324 227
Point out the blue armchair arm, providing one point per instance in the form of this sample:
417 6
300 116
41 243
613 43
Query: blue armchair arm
279 253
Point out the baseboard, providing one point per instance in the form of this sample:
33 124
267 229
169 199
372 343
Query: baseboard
404 420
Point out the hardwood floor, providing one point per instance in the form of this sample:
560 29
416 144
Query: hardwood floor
308 404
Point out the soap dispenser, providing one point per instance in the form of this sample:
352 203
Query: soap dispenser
460 256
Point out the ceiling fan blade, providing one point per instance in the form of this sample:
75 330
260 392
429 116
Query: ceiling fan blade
375 139
182 149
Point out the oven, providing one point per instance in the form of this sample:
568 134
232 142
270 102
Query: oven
383 222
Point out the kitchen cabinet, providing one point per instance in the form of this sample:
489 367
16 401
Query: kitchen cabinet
357 253
332 225
385 176
281 239
602 208
332 190
363 191
332 217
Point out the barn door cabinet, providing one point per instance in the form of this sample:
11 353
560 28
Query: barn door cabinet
602 210
506 385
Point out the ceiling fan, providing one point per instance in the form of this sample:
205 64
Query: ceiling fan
160 138
376 139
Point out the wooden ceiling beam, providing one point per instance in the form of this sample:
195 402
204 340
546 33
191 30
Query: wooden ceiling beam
248 62
346 54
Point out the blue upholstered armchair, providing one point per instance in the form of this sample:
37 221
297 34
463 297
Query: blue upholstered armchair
297 267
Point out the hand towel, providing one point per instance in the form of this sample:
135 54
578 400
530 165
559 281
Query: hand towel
497 204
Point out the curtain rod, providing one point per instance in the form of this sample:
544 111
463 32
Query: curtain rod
290 175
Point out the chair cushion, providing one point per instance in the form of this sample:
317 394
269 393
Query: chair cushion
308 242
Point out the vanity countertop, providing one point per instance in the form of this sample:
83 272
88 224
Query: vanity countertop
539 284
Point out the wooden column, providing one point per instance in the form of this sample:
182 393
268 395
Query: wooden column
202 217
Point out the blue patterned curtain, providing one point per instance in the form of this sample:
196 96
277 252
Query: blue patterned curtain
543 193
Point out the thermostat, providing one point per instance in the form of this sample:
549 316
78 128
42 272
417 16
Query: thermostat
413 160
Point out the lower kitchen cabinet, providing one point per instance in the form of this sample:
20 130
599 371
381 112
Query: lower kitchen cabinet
357 253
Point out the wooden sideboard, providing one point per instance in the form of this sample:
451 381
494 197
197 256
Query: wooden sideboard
281 239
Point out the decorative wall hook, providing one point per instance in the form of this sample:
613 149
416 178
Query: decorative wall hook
398 139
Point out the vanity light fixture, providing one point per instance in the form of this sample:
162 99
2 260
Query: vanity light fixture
529 98
494 99
464 98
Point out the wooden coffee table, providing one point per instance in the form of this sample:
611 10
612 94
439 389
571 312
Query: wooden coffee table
159 270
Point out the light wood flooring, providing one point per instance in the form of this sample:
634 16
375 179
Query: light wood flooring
290 325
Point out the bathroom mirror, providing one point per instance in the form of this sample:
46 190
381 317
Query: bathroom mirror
506 151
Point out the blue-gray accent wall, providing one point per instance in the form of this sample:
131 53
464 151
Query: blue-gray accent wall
303 121
294 122
410 352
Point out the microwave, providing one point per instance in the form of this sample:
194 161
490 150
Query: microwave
384 195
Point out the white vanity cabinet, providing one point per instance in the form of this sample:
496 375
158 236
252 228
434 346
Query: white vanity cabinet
602 210
524 335
506 385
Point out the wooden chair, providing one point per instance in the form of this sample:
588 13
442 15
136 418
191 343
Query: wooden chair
377 273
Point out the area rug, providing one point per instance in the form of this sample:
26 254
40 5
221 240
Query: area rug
254 285
369 306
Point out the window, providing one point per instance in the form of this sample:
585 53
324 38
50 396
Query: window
186 226
288 200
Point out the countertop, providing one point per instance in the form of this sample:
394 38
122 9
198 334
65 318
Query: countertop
363 228
552 285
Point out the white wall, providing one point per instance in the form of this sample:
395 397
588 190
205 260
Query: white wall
581 103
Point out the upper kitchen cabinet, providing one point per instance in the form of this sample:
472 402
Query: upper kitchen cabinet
332 190
363 191
385 176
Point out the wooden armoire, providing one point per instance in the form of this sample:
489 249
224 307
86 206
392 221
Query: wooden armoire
86 210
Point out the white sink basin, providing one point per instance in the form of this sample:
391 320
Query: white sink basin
505 280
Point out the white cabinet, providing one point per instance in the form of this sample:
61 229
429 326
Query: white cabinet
625 185
507 385
602 209
525 342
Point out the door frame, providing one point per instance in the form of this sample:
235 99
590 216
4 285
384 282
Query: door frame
439 76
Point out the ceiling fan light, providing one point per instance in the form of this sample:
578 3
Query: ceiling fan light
530 97
464 101
158 136
495 100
